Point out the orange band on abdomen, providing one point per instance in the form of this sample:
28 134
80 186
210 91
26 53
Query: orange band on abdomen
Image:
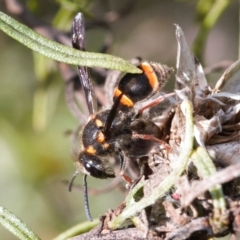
126 101
151 75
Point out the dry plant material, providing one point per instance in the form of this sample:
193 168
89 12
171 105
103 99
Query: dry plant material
188 190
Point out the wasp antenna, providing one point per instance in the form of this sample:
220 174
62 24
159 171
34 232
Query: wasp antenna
86 204
70 184
112 114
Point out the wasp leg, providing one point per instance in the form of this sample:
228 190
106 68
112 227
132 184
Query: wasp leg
154 103
125 177
151 138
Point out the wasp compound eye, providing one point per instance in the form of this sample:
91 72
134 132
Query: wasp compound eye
94 166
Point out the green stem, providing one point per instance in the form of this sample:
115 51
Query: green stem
206 168
210 19
78 229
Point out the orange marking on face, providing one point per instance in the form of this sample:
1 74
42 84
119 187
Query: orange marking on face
124 99
100 137
151 75
99 123
90 150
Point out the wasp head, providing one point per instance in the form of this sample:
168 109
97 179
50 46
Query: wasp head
92 165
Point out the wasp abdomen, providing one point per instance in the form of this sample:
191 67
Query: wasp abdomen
133 88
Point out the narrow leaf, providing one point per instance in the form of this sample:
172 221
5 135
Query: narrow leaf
16 226
59 52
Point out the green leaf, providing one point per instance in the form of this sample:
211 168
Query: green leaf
206 168
16 226
59 52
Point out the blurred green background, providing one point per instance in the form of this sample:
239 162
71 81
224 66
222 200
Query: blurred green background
35 154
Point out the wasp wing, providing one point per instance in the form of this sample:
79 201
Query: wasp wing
78 42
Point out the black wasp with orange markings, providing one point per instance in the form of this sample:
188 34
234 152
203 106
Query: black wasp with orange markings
119 131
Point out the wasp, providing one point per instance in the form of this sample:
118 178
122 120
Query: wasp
119 131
